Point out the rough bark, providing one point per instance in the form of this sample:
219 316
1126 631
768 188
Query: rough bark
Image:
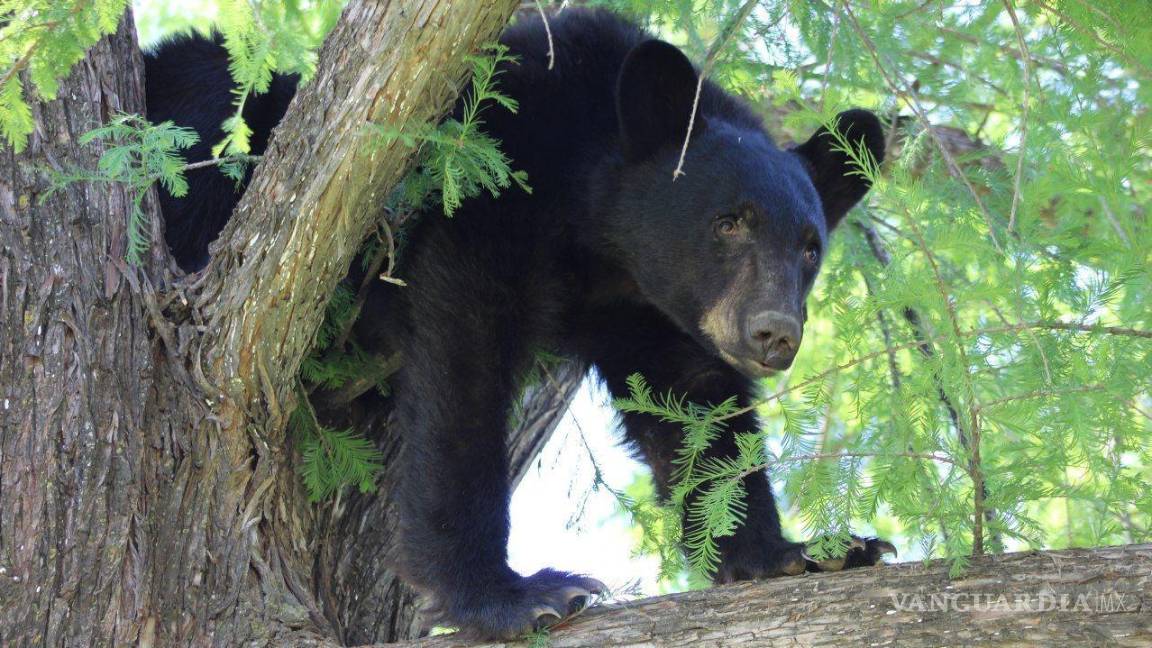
147 488
1079 597
80 445
318 192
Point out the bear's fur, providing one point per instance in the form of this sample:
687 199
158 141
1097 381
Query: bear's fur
697 283
186 80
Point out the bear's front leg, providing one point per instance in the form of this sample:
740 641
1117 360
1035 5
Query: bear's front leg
674 363
758 548
453 403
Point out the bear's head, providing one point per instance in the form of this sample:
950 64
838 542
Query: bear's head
730 249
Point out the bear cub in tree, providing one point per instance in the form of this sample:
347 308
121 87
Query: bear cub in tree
698 283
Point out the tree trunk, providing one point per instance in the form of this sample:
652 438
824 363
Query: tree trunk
1078 597
147 488
86 447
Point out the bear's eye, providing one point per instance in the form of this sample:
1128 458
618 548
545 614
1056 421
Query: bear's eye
727 225
812 254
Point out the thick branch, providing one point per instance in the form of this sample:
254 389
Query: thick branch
1078 597
541 410
322 183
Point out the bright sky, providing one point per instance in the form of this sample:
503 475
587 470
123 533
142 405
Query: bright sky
549 527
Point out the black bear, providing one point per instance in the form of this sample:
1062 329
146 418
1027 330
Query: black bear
698 283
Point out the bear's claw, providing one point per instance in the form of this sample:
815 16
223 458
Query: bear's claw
579 597
521 605
546 616
859 552
792 559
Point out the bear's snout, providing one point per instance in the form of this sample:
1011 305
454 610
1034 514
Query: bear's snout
774 338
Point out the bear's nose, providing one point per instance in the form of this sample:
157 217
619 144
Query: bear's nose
777 335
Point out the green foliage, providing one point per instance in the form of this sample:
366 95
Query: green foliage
992 292
539 639
710 489
458 160
310 20
336 358
40 41
331 459
263 38
658 524
138 154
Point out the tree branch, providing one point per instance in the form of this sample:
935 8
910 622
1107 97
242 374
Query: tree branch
317 193
1073 597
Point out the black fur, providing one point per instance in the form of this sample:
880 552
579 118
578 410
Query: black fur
698 283
186 81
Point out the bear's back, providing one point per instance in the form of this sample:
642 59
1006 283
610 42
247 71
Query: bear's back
567 115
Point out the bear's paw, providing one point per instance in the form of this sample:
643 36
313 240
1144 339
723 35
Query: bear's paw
523 605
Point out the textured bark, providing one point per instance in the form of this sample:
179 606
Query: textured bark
319 191
147 488
542 407
1079 597
81 443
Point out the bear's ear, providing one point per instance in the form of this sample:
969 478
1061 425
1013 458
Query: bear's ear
836 177
654 96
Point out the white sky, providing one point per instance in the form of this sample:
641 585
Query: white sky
549 528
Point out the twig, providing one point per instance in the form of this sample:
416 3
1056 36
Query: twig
953 167
1024 61
936 60
917 9
1141 411
387 274
967 441
1107 209
362 296
844 455
881 255
239 157
548 32
972 441
1041 393
709 62
699 47
996 330
1051 64
353 389
1032 336
26 58
828 59
1092 34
